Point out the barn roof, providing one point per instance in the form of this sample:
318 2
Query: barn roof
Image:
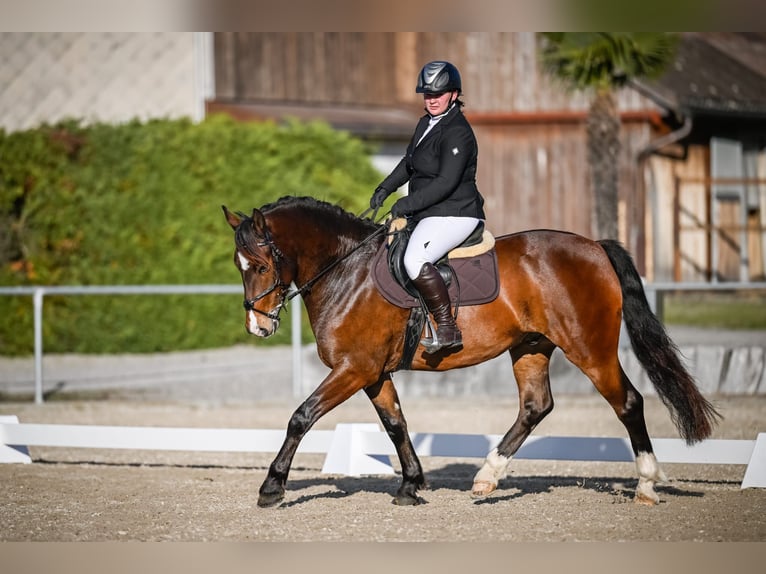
715 75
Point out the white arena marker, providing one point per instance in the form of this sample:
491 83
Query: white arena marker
157 438
346 455
710 451
755 475
12 453
358 449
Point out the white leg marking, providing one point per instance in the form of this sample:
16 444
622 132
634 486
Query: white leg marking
649 473
495 468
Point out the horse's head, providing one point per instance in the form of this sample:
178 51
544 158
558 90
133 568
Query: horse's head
261 264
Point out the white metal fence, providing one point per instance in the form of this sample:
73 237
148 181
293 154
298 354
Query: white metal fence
39 292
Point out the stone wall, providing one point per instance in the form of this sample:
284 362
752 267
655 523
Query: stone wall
107 77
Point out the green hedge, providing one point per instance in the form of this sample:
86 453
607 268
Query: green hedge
140 203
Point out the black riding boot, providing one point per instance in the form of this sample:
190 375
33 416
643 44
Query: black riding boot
431 286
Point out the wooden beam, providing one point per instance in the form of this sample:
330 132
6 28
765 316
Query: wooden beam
555 117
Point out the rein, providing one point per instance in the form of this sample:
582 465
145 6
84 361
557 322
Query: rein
286 296
308 284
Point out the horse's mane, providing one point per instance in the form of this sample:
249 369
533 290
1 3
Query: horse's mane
342 219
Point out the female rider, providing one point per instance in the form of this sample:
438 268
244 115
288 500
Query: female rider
443 200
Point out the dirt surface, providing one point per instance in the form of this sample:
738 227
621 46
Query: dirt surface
115 495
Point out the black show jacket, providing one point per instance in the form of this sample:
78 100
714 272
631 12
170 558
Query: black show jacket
441 170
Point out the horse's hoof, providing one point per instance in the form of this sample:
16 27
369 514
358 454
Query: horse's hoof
646 500
405 501
272 499
482 489
645 493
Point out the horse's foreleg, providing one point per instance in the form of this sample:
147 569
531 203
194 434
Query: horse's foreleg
272 490
338 386
535 401
386 402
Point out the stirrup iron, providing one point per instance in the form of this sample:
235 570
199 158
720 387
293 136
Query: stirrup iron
431 340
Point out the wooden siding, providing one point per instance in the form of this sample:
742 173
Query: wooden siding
532 165
311 67
683 245
531 177
499 69
535 176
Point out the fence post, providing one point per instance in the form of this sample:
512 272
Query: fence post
37 299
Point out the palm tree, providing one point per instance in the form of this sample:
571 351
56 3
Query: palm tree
602 62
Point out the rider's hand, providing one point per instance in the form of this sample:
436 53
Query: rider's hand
378 197
397 210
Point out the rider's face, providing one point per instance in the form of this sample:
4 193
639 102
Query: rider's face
437 104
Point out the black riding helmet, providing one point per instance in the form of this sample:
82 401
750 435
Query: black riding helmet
438 77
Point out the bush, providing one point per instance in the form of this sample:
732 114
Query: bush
140 203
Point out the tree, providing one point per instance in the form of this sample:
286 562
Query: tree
602 62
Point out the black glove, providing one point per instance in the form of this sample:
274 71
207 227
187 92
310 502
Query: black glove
397 210
378 197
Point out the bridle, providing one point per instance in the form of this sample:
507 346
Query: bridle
285 295
277 255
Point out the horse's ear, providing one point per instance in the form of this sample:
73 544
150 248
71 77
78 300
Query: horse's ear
259 223
233 219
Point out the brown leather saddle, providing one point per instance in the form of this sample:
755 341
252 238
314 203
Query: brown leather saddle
469 270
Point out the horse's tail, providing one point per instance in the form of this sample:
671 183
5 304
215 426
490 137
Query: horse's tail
692 414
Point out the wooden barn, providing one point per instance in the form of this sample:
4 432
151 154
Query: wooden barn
693 156
707 182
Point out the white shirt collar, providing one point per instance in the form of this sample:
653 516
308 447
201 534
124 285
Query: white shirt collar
432 121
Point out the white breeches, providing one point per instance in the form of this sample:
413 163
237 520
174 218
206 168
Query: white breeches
434 237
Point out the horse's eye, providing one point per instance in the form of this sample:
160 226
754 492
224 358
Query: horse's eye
262 269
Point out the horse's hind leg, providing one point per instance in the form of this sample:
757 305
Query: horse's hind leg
612 382
386 402
530 366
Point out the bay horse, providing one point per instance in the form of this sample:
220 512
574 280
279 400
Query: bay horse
557 289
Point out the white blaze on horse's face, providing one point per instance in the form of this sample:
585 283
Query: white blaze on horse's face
254 328
242 262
